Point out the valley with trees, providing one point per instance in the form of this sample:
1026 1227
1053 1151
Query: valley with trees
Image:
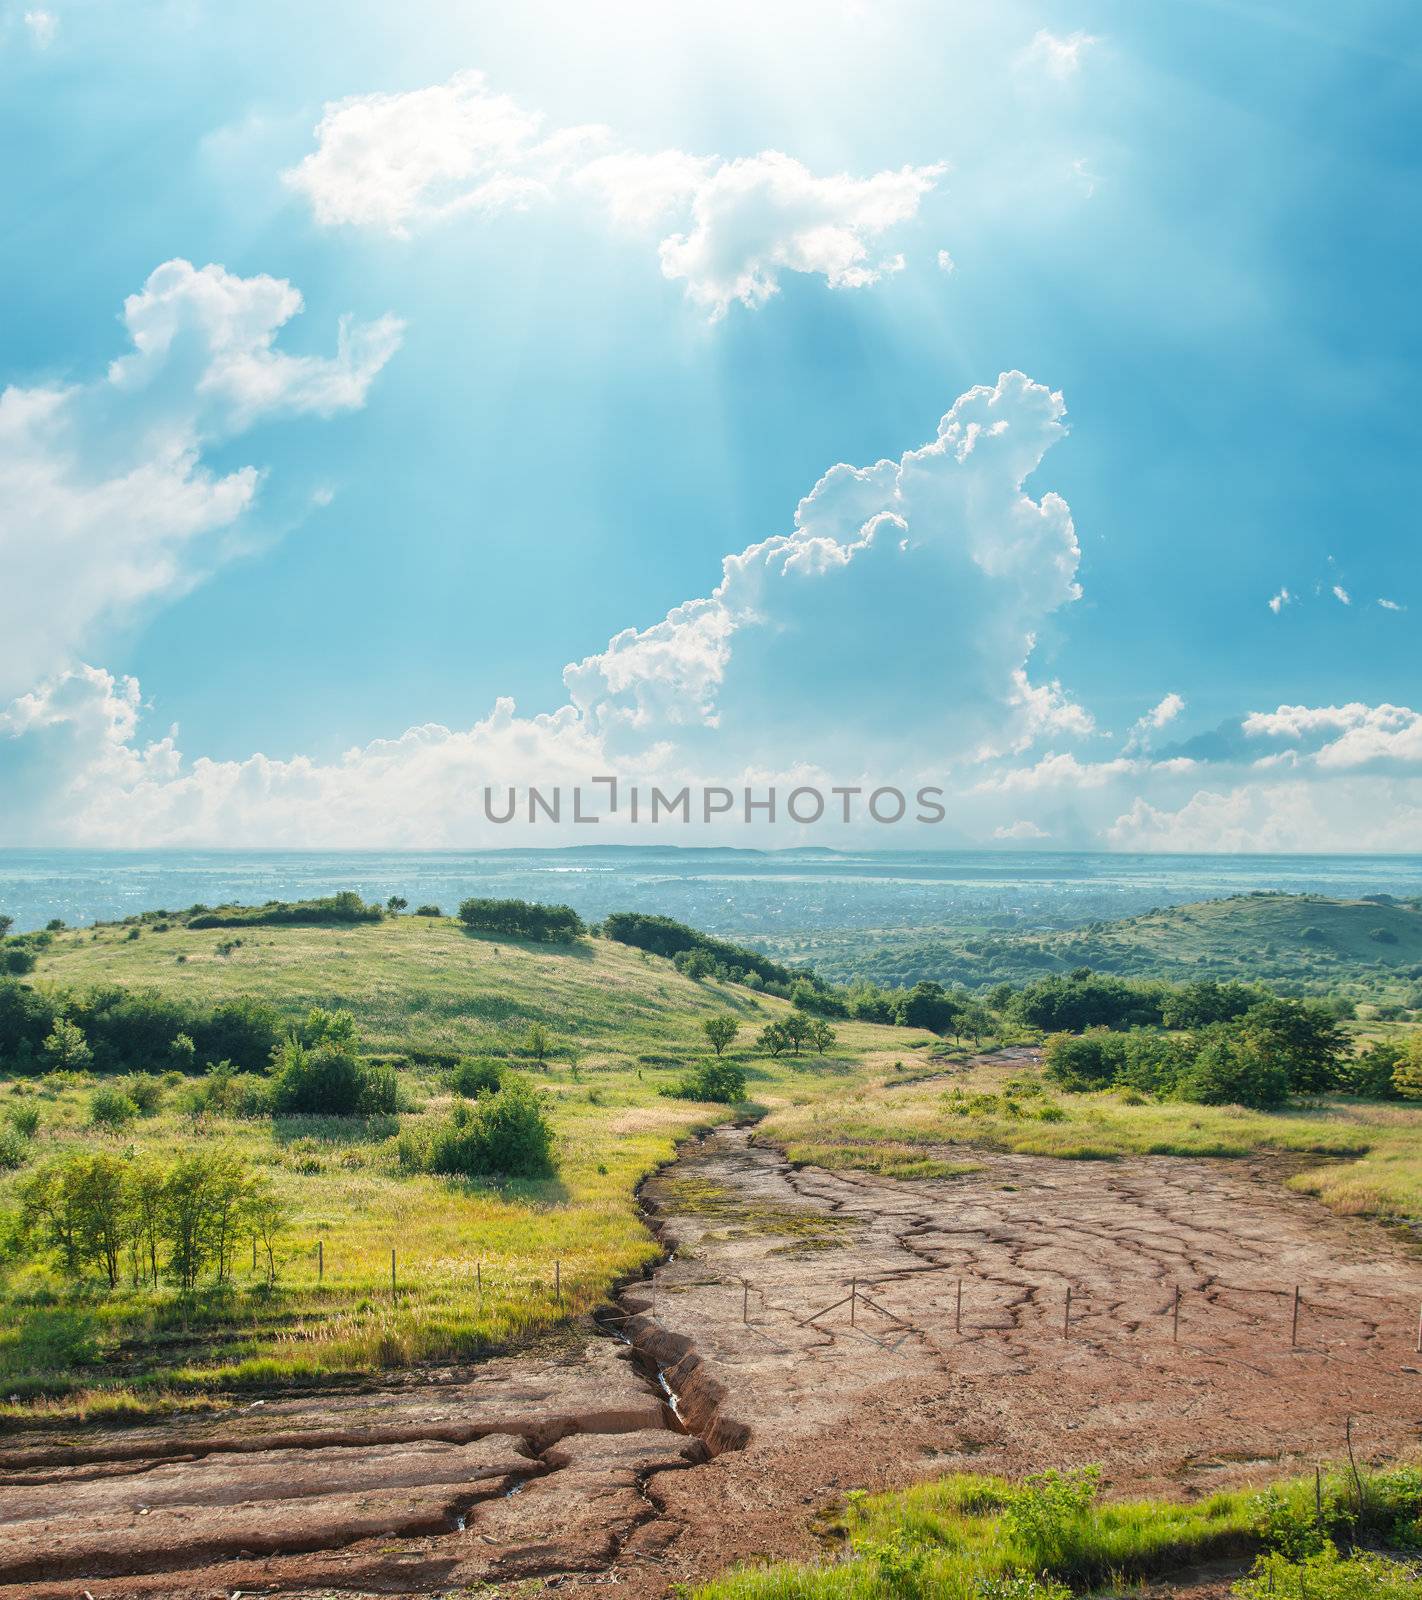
274 1155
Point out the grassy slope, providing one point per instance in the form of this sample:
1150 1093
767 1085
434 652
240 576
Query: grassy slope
1297 940
1376 1147
629 1024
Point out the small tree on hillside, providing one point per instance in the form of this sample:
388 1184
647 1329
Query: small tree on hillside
66 1048
822 1036
6 923
536 1044
396 904
773 1039
1407 1074
798 1029
720 1031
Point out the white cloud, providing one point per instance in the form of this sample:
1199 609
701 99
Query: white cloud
1059 55
43 26
402 161
1022 829
946 262
1277 818
1280 600
106 503
644 189
1391 605
1167 711
897 616
1341 737
757 218
1341 594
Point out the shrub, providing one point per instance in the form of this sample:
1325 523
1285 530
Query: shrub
146 1092
380 1092
336 909
25 1120
521 919
721 1082
506 1134
1232 1072
14 1149
427 911
1330 1576
110 1107
479 1075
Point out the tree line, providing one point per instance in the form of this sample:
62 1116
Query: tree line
140 1220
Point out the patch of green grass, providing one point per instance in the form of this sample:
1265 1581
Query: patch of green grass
1373 1149
968 1537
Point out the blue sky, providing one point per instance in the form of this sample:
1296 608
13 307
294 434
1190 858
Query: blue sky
1195 222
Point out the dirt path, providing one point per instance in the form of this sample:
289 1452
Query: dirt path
575 1470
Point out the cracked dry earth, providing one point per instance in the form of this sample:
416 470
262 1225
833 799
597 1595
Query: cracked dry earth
573 1470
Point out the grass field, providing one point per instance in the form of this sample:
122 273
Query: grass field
622 1027
475 1262
1373 1150
979 1538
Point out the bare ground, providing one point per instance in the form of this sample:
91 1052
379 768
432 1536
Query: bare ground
573 1470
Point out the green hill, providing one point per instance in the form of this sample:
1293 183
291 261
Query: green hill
1370 949
481 1264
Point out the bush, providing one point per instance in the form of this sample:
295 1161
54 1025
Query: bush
427 911
506 1134
111 1108
146 1092
1330 1576
521 919
326 1081
25 1120
14 1149
721 1082
479 1075
336 909
1231 1072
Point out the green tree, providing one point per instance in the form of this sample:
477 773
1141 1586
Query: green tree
773 1039
1407 1074
103 1210
1302 1037
798 1028
396 904
536 1042
66 1048
267 1215
1236 1071
720 1031
822 1037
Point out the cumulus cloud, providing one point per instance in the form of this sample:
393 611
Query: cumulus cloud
754 219
1059 55
1277 818
1391 605
401 161
888 632
1341 595
1280 600
1342 737
106 502
1020 830
946 262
